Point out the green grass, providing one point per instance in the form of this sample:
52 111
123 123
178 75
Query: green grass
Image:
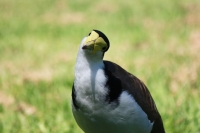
157 40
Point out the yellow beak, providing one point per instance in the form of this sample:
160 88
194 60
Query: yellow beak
94 42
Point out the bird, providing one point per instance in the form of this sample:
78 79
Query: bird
105 97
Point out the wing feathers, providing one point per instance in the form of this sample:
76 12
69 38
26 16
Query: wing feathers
140 93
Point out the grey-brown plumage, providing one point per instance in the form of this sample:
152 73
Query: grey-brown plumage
139 92
108 99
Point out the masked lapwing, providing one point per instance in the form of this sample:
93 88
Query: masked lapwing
108 99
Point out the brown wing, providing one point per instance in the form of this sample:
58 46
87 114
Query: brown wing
140 93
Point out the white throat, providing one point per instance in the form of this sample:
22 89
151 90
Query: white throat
94 114
89 77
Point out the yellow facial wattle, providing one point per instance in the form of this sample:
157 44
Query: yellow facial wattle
94 42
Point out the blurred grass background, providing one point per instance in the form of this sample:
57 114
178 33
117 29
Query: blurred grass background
157 40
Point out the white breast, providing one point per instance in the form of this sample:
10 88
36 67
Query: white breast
95 115
127 117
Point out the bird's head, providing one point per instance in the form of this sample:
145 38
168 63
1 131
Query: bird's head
95 42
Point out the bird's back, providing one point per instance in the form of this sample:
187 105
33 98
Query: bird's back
140 93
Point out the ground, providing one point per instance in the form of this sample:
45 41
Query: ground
157 40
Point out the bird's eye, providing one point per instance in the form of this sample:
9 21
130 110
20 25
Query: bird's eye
104 48
89 33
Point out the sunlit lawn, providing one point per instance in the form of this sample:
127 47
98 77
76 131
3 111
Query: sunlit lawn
157 40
